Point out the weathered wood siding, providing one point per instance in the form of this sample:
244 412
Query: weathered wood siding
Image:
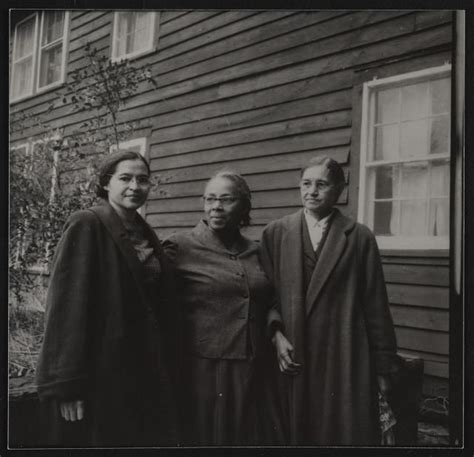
261 93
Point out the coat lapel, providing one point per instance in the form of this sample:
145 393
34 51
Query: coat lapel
117 231
292 277
330 253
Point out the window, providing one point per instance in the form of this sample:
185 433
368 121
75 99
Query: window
39 53
134 34
405 159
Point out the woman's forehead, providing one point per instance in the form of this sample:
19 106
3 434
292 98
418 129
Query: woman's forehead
220 185
132 166
317 172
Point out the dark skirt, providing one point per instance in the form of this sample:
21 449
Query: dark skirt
224 404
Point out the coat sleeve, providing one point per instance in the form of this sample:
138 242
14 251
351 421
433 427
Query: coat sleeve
274 319
62 366
380 329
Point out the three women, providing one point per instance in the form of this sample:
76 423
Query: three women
109 354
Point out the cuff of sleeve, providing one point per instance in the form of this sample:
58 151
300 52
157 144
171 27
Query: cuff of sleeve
62 390
386 362
274 323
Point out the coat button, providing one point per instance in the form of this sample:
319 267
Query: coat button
245 295
233 257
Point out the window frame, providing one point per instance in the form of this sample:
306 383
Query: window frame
151 45
64 42
35 89
368 90
34 58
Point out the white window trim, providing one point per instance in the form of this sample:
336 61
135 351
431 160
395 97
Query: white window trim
151 46
391 242
33 63
35 89
65 41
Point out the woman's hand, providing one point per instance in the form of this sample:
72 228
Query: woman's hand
284 350
72 410
384 384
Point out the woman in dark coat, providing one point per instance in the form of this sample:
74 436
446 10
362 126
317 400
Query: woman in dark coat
333 332
225 297
106 371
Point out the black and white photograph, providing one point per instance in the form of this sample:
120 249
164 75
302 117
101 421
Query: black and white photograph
236 228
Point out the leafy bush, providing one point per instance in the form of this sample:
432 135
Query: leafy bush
54 178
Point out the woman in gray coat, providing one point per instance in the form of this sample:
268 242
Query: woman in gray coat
225 297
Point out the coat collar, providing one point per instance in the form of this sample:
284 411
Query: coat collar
112 222
293 240
207 237
330 253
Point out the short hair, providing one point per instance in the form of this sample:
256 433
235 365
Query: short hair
109 164
242 189
335 170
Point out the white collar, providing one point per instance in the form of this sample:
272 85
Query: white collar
313 222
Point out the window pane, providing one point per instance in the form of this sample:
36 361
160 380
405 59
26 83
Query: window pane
53 26
414 182
50 70
386 182
133 32
441 96
413 217
440 135
24 43
438 223
22 81
439 181
414 139
143 21
415 101
386 142
388 106
385 216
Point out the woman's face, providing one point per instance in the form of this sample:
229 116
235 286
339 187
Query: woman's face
129 185
225 213
319 193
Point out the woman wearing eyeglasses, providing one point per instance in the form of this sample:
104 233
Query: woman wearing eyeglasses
106 371
225 297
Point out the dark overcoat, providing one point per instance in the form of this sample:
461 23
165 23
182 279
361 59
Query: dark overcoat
107 341
340 327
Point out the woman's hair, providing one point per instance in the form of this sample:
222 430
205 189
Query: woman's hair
335 171
109 165
241 188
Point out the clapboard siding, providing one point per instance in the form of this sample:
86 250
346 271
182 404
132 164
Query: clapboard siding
282 59
262 92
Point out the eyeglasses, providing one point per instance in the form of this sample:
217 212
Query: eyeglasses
142 181
226 201
321 186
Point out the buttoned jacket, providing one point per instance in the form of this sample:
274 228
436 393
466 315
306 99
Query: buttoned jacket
225 294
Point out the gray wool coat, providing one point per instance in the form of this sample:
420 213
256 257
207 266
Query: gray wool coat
340 327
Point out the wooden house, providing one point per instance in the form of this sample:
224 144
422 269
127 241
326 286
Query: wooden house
261 92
